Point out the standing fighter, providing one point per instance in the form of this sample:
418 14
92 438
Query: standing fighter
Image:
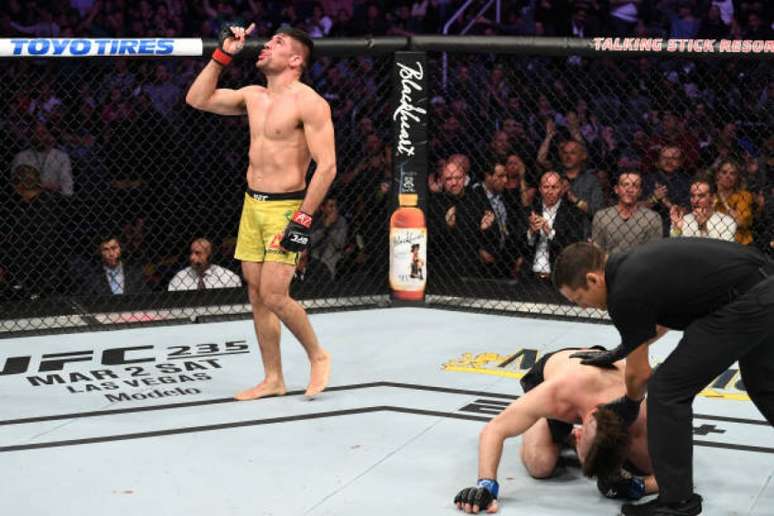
721 294
290 125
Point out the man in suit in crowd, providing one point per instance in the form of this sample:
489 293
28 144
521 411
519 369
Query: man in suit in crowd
112 276
553 224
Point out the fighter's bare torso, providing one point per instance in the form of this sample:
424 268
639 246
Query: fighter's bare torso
589 386
279 155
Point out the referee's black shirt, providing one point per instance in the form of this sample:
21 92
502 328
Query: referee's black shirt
674 281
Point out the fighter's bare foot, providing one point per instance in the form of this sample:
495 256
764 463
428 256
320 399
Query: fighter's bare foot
321 370
262 390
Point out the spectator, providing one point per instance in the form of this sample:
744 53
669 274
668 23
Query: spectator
463 161
683 23
165 95
580 186
728 144
117 108
44 103
548 14
83 6
626 224
121 79
501 226
400 21
495 93
670 131
669 185
225 254
726 8
371 170
582 24
734 199
327 241
369 182
553 224
452 227
463 86
52 163
374 22
112 277
452 136
135 247
425 16
32 239
319 24
756 27
335 6
80 133
517 183
623 17
703 220
44 27
202 274
435 177
521 143
342 26
712 24
500 147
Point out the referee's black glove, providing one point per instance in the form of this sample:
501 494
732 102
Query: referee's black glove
598 358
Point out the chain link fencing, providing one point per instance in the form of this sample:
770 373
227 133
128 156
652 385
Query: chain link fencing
695 134
106 150
103 160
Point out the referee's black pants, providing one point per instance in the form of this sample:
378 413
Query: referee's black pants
743 331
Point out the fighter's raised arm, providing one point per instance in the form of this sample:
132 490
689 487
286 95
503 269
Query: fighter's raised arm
203 93
546 400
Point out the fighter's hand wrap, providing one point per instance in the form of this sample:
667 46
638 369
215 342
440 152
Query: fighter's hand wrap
626 408
623 486
220 56
296 237
600 358
482 495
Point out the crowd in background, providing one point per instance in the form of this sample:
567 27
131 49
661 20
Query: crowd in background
750 19
105 162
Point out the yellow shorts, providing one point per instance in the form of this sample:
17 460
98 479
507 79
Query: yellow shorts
264 219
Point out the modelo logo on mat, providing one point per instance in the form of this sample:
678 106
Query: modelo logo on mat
727 385
125 367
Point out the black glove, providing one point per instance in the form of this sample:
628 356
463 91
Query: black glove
220 56
296 237
482 495
622 486
600 358
626 408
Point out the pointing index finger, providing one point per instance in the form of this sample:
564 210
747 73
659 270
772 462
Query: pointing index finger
250 29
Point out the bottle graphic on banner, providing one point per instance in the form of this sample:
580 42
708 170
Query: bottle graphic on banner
408 231
408 250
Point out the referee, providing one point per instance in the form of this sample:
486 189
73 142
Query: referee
721 295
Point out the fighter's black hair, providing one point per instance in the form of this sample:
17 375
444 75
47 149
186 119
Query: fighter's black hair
303 38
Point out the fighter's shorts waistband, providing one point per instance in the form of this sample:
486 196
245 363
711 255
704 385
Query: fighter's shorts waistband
278 196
